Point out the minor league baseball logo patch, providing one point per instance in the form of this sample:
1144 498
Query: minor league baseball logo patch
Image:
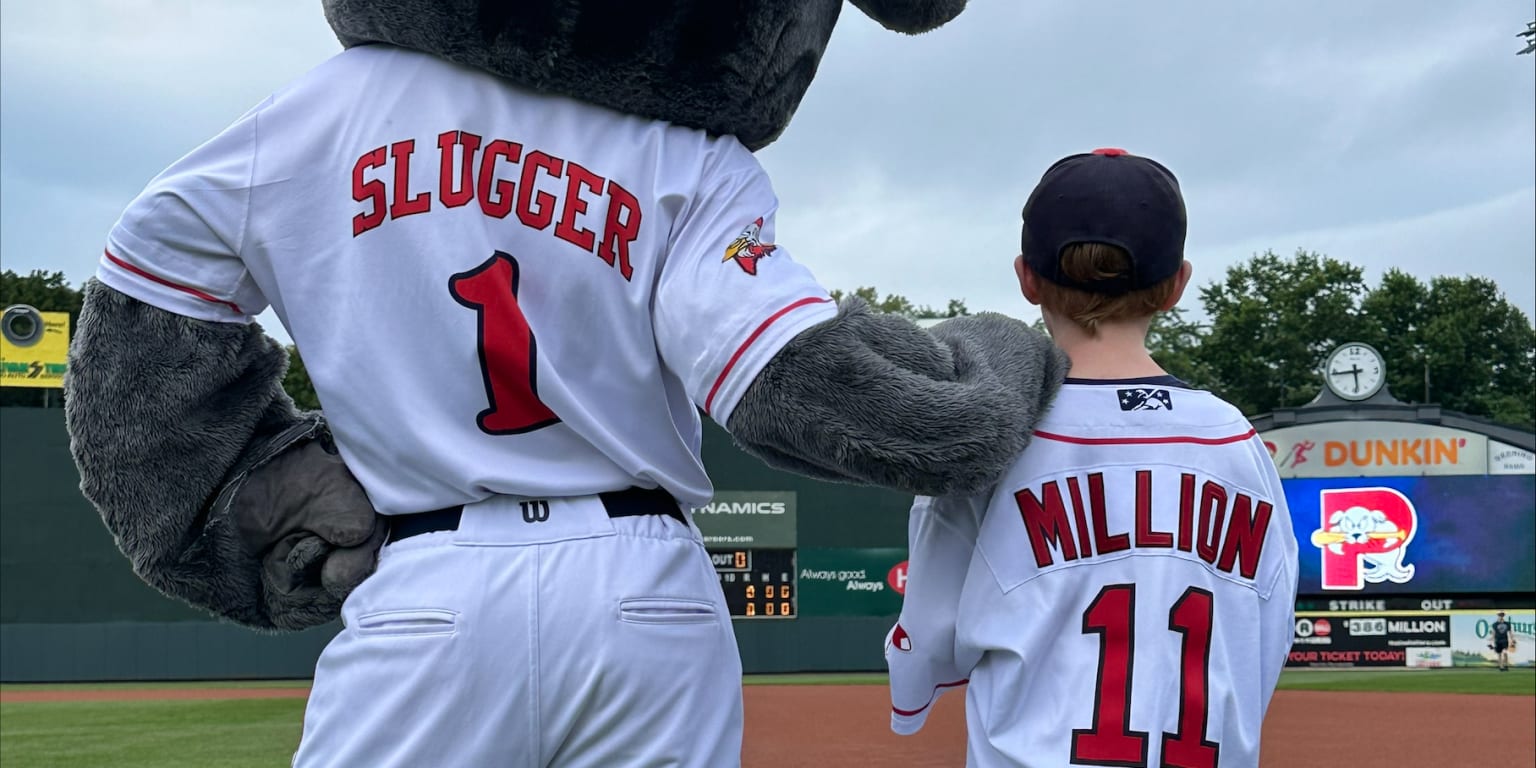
900 640
747 248
1145 399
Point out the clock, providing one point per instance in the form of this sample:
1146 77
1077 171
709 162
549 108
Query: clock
1355 371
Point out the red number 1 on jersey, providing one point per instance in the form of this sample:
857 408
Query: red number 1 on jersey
506 347
1112 616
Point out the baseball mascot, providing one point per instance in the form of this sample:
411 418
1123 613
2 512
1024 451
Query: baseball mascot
522 244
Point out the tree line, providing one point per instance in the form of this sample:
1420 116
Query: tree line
1267 325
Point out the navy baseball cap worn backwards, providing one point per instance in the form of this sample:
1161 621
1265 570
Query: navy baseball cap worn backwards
1107 196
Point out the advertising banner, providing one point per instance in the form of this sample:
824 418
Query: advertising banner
1508 460
1324 640
1429 657
1414 535
34 347
755 519
1472 638
1376 449
852 582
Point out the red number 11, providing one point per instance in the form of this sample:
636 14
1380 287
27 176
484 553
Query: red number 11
1112 616
506 345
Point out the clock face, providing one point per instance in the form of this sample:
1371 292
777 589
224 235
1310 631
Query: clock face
1355 372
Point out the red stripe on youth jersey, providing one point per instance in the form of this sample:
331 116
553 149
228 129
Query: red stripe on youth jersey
936 689
741 350
1147 440
169 284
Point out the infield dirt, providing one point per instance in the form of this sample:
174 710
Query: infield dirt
826 725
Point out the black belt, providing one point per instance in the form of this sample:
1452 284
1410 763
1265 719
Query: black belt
626 503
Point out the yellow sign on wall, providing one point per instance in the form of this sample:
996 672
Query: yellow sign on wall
34 347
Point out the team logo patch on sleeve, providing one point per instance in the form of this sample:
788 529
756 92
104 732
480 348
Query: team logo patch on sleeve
1145 399
747 248
900 640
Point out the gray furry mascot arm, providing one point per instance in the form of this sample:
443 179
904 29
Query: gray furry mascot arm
225 496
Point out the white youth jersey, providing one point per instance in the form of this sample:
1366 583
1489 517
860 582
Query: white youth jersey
1125 596
494 291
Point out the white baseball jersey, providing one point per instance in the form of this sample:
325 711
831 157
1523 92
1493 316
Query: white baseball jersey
494 291
1125 596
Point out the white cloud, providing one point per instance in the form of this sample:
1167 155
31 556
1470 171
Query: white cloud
1382 132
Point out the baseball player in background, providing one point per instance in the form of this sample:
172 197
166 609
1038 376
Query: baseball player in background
1503 642
1125 596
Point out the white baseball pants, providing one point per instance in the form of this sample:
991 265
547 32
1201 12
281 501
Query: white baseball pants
578 640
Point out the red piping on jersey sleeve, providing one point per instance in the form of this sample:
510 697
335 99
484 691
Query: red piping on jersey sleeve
1147 440
729 364
936 689
184 289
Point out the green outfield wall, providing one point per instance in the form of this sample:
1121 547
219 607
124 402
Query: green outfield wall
71 608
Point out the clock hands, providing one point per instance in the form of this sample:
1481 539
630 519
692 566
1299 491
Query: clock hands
1356 370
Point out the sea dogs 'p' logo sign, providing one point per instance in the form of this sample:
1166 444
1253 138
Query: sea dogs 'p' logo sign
747 248
1364 535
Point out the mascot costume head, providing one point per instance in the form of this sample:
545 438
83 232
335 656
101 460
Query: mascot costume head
224 495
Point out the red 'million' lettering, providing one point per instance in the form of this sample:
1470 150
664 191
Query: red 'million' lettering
1145 536
1080 510
1046 523
1225 536
1245 536
1213 506
460 180
1186 511
1103 542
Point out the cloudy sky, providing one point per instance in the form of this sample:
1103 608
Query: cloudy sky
1381 132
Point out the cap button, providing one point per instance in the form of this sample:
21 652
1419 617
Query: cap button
1110 151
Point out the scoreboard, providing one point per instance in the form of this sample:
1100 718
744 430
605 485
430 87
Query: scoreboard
751 539
758 583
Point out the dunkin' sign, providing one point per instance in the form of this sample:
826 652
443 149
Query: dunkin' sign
1376 449
1364 535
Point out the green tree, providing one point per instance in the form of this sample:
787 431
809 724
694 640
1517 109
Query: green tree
1530 38
1272 321
1457 342
1396 310
900 305
297 384
1174 342
46 292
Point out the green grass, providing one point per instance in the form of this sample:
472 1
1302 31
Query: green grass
151 734
158 685
1516 682
263 732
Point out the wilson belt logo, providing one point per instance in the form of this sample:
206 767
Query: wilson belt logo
536 511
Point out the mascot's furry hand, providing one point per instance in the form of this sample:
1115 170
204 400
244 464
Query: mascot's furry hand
318 534
217 489
871 398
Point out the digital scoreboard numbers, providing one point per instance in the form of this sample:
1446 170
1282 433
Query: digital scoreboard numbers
750 536
758 583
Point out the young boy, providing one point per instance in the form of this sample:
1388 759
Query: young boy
1126 595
